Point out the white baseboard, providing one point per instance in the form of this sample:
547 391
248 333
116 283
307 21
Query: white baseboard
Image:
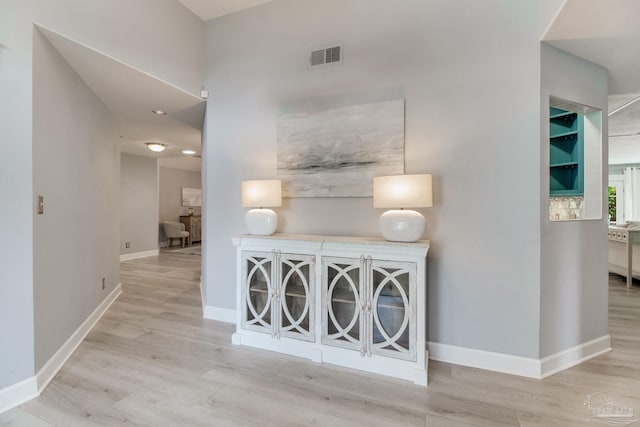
226 315
30 388
498 362
137 255
53 365
18 393
203 296
516 365
574 356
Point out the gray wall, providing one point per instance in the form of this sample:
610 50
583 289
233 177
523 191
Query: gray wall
470 74
573 288
16 193
76 160
138 203
173 51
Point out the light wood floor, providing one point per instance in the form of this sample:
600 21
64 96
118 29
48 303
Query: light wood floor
153 361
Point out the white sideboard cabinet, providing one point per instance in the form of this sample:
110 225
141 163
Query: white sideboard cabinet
349 301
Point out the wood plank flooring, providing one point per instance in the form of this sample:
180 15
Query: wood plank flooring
154 361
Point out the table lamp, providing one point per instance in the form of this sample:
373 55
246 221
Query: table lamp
261 194
398 192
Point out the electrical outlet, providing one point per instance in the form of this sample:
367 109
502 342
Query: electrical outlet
104 283
127 245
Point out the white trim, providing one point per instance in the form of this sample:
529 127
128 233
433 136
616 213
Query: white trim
30 388
553 20
203 296
18 393
137 255
53 365
498 362
517 365
574 356
226 315
126 64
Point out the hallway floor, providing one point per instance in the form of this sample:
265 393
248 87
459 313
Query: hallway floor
153 361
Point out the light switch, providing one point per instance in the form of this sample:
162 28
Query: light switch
40 205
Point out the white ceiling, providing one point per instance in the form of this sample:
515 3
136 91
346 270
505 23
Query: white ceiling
607 33
131 95
624 126
210 9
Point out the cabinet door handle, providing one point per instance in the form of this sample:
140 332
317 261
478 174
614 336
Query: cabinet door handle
369 293
274 310
369 328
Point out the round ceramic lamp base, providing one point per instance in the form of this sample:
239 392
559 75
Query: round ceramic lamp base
261 222
402 225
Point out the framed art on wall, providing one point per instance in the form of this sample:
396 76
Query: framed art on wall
191 197
336 152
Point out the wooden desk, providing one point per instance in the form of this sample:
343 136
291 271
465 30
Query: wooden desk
193 224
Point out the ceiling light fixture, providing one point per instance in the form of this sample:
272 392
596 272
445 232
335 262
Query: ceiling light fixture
156 147
188 152
159 112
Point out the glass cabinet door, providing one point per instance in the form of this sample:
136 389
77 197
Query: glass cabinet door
341 295
393 308
297 304
257 292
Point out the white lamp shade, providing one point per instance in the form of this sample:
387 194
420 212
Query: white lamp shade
402 191
262 194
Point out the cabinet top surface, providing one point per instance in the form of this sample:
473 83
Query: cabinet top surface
627 227
317 238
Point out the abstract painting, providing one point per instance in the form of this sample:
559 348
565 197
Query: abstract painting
338 151
191 197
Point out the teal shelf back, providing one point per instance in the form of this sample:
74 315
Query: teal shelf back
566 153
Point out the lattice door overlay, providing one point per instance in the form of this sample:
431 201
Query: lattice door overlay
258 293
369 305
391 310
342 325
296 297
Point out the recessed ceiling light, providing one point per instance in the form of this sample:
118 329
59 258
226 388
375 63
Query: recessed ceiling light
188 152
159 112
156 147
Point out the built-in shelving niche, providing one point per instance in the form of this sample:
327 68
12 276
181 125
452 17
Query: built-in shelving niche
575 161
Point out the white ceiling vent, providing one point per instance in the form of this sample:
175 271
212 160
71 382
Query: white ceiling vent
326 56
